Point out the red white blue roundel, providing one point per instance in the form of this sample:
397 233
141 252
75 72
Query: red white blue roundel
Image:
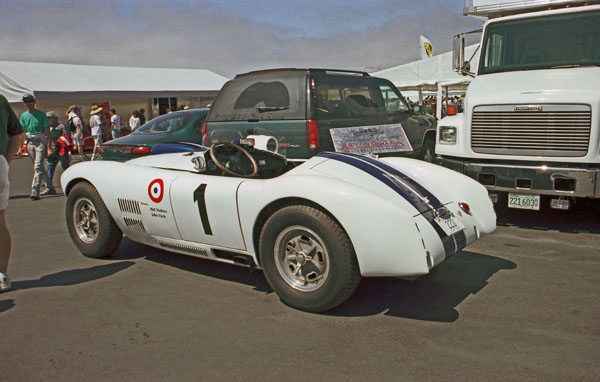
156 190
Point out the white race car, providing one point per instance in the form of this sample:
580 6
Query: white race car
314 229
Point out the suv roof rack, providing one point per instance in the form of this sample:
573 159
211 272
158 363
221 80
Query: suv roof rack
310 70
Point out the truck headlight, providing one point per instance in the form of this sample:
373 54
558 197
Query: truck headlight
448 135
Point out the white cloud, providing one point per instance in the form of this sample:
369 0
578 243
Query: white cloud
194 34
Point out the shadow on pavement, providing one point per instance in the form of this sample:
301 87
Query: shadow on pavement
433 297
15 197
6 305
73 276
132 250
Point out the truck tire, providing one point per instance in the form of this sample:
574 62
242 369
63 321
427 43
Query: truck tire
428 150
90 225
308 259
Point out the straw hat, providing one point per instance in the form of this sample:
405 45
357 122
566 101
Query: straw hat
95 109
51 114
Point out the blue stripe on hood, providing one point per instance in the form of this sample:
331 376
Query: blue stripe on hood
413 192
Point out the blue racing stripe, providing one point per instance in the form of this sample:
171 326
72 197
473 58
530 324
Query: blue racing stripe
413 192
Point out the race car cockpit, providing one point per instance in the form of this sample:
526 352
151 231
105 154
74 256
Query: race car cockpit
252 157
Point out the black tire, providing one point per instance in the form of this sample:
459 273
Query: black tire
326 275
90 225
428 150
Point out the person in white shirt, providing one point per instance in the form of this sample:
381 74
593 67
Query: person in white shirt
74 117
115 124
134 121
96 126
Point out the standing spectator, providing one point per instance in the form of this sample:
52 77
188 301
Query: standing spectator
142 116
74 116
134 121
60 145
11 138
38 135
96 126
115 124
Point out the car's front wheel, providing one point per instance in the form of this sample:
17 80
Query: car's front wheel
308 258
90 225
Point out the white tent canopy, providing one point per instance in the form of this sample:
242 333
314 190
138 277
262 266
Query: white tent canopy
426 74
65 81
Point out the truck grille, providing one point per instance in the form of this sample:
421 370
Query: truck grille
549 130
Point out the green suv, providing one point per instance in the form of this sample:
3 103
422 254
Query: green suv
300 107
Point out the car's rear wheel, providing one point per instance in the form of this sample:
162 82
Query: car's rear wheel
90 225
308 258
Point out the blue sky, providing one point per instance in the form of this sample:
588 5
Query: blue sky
228 36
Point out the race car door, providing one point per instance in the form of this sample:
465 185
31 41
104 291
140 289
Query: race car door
205 209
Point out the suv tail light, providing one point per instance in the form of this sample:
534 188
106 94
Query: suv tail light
312 134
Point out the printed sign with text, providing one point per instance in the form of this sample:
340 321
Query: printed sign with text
367 140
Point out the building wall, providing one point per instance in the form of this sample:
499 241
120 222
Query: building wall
123 106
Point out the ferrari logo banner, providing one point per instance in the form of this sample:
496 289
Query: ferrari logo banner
426 47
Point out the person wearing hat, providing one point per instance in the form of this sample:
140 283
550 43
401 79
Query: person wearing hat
60 146
74 119
96 126
37 127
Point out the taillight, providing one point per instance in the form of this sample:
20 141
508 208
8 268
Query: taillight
312 134
204 130
141 150
465 207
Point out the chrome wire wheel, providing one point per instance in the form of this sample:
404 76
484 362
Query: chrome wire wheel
85 220
301 258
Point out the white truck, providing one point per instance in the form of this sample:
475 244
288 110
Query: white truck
530 131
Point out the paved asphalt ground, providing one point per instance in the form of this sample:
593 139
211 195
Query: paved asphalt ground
519 305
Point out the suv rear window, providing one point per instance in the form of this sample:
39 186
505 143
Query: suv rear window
347 97
262 97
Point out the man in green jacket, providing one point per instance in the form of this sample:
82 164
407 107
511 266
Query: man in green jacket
11 139
37 127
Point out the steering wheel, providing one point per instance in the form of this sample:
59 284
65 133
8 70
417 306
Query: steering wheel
232 157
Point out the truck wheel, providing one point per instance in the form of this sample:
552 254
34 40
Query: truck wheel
428 150
308 259
90 225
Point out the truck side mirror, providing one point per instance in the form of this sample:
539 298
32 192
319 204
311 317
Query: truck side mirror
458 54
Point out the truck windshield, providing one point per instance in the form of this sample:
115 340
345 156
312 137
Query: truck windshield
547 42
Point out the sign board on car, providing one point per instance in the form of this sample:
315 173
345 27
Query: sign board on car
366 140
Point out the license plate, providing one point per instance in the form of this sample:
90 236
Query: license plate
450 226
525 202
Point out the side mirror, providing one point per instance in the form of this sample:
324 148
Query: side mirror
458 53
